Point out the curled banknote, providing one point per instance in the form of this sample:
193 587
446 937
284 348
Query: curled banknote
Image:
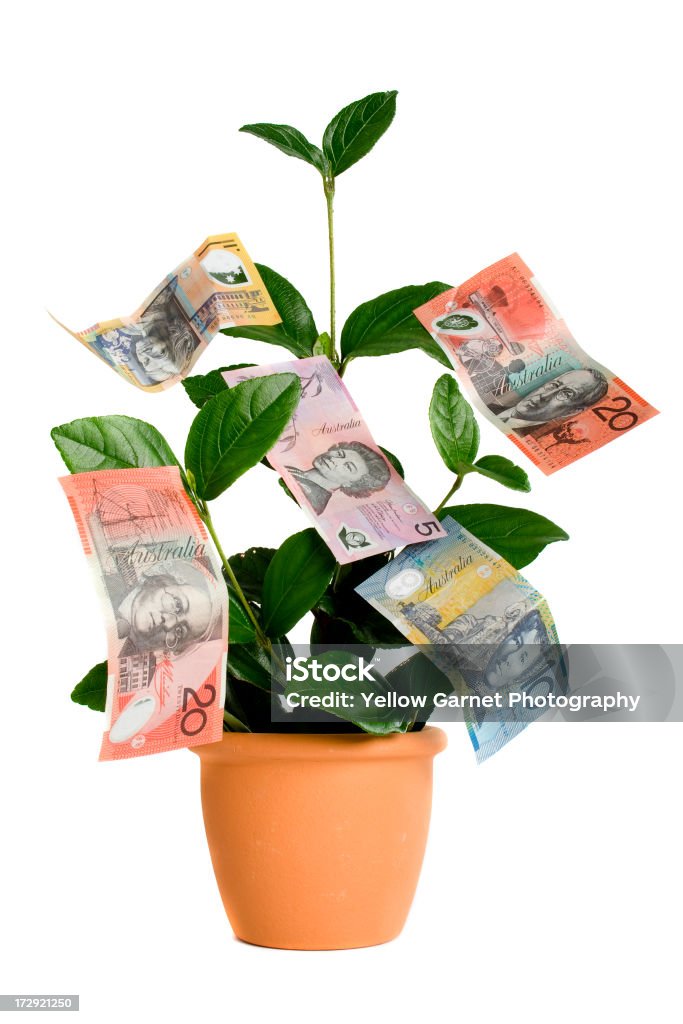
327 457
476 615
218 286
165 607
525 371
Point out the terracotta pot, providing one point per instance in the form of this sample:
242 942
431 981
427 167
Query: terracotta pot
317 840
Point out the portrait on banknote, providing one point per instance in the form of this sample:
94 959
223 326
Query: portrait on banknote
164 595
556 400
156 347
169 610
502 641
354 469
563 387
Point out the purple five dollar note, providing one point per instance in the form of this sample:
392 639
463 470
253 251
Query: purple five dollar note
327 457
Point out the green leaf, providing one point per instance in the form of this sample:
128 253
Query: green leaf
295 579
503 471
286 489
240 627
111 442
92 689
387 324
297 332
289 141
340 619
454 428
323 346
353 132
376 720
249 703
249 568
395 462
328 633
250 663
516 534
203 386
343 616
234 430
419 677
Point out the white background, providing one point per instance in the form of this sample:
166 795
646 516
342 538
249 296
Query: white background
550 889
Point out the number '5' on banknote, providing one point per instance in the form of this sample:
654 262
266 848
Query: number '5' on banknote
218 286
165 607
525 371
338 474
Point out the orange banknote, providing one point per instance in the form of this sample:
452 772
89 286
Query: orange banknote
525 371
165 606
218 286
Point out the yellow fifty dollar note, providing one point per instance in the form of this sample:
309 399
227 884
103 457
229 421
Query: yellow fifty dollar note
477 614
218 286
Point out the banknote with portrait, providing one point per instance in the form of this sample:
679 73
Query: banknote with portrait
524 370
165 609
478 618
329 460
218 286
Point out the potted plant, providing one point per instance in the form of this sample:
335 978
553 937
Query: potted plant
316 830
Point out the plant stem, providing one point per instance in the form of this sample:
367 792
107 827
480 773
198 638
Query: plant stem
205 516
458 480
328 181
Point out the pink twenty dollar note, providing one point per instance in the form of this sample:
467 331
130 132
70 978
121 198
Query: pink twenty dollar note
327 457
165 607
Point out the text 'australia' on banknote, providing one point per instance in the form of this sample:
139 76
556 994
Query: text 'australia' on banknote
524 369
479 616
165 607
327 457
218 286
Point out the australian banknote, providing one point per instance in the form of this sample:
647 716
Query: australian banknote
525 371
329 460
165 607
218 286
484 625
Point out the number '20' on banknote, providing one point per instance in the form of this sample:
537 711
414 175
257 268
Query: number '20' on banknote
165 608
525 371
482 622
329 460
218 286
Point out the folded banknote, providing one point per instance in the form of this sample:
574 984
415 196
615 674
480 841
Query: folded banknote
338 474
218 286
525 371
482 623
165 606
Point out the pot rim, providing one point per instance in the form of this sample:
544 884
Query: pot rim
244 748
